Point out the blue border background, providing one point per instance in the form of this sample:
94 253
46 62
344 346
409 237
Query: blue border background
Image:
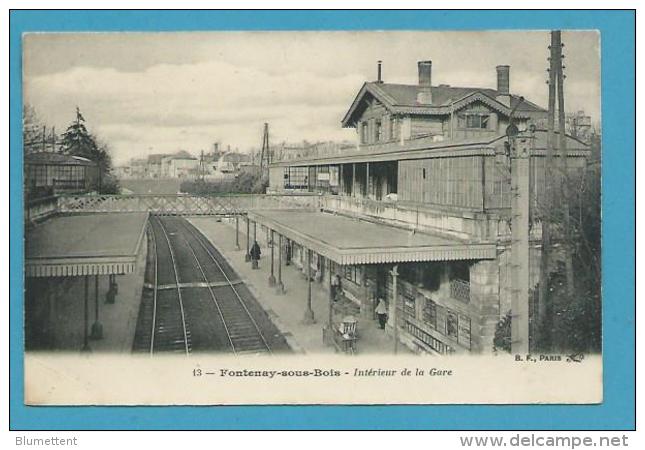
618 115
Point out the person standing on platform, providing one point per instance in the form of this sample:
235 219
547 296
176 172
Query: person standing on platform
335 287
288 251
381 312
255 255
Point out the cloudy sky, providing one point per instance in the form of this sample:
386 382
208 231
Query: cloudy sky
159 92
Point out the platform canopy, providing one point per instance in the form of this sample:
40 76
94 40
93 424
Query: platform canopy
349 241
92 244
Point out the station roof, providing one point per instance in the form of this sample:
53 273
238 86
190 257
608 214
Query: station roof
57 159
348 241
89 244
426 147
402 99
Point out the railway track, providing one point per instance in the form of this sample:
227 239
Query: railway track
190 301
162 323
244 334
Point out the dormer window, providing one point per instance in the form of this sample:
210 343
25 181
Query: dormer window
474 121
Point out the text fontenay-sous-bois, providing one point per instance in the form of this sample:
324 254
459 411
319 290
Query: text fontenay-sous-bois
371 372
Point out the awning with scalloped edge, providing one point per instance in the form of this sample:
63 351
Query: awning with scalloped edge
349 241
92 244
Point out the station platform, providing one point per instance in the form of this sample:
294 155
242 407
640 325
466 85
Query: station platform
287 310
62 256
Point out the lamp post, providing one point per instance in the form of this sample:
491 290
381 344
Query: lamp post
309 313
395 294
247 256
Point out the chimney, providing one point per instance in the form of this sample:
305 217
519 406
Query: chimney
425 73
378 72
424 96
503 80
503 85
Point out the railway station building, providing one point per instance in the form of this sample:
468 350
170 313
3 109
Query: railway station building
423 202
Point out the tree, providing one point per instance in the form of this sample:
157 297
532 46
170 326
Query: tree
35 135
107 183
78 141
572 321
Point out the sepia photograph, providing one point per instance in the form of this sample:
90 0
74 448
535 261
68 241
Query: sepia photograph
239 202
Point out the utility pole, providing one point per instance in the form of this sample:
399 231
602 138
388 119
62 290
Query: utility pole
265 155
560 180
520 155
547 203
200 174
568 259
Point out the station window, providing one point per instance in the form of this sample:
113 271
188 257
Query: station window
379 131
364 133
430 313
41 175
353 274
407 299
464 330
296 177
457 326
452 324
393 128
408 305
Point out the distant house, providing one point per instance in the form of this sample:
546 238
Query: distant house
231 162
209 162
138 168
180 165
51 173
122 172
154 165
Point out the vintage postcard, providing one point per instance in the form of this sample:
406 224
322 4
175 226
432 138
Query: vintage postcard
312 217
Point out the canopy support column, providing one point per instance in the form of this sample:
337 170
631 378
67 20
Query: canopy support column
367 179
280 287
272 276
86 345
97 327
113 288
237 232
309 313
